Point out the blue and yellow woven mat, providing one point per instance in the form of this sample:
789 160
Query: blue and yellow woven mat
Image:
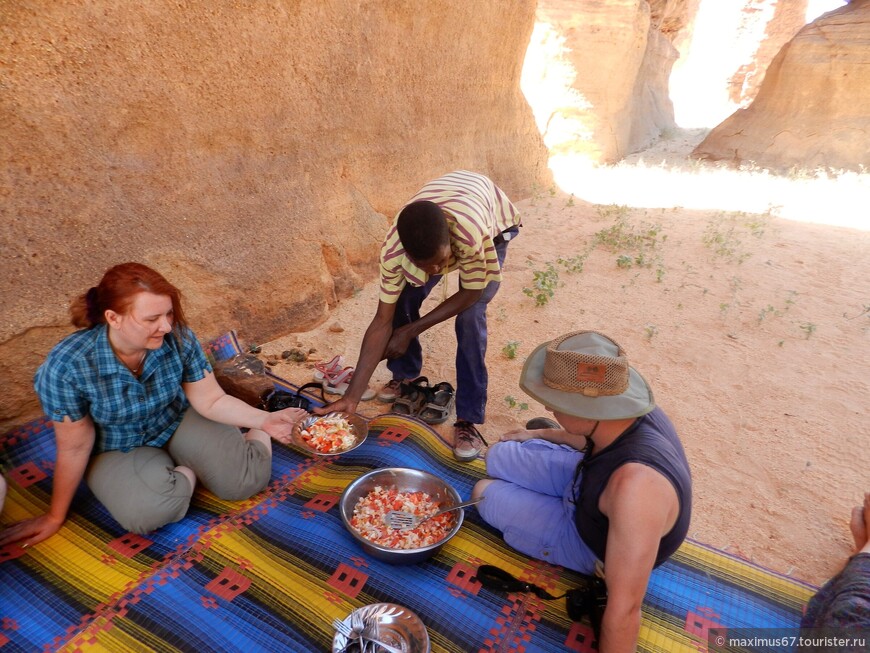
271 573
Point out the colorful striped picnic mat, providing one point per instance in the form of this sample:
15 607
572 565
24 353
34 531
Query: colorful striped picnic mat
271 573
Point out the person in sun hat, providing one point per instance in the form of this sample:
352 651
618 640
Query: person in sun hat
608 482
461 221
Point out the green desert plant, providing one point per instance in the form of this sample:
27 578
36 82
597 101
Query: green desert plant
544 284
608 211
638 244
513 403
767 310
624 261
573 264
770 309
623 236
722 240
510 349
724 234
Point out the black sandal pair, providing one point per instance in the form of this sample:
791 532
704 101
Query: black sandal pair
430 404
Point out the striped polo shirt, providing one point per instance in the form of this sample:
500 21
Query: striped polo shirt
477 211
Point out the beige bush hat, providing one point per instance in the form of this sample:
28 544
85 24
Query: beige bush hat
586 374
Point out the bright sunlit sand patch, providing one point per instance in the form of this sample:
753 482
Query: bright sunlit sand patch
815 196
816 8
563 115
702 79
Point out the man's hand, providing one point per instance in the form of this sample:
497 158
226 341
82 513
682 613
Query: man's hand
399 341
343 405
29 532
519 435
280 424
556 436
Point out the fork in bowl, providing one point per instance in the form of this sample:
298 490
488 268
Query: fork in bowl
363 632
405 521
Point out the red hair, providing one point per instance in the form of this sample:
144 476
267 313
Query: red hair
116 290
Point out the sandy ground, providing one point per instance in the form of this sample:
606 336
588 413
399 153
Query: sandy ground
752 329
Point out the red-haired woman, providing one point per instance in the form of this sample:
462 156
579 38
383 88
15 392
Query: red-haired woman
138 413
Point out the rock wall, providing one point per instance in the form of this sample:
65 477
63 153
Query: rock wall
778 21
597 73
724 53
811 109
252 152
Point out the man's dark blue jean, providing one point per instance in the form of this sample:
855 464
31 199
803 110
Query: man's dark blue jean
471 375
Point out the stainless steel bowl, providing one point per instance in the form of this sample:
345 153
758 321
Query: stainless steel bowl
405 480
359 428
396 625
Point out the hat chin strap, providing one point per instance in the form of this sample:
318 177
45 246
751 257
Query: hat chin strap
590 443
587 451
594 428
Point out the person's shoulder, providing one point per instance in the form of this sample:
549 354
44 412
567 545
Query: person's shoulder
657 421
468 175
391 240
79 343
636 484
392 257
633 472
456 184
70 356
655 432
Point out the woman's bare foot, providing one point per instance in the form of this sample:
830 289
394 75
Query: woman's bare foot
860 524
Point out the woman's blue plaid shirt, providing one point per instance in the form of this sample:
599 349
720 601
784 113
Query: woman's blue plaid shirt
82 376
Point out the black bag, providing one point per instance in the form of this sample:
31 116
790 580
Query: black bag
273 400
587 601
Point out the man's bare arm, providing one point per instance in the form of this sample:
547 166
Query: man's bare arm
641 506
371 353
556 436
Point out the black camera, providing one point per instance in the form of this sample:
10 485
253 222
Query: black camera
588 601
279 400
273 400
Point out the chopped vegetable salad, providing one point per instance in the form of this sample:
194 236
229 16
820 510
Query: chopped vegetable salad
370 519
329 435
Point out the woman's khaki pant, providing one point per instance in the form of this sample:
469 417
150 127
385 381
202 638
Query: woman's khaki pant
143 492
